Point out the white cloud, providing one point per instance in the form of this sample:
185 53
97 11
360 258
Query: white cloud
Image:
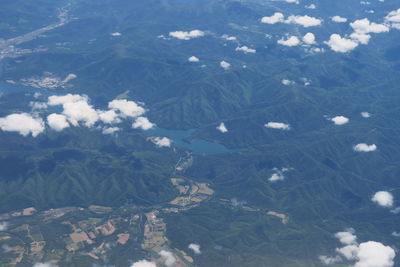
277 125
225 65
57 122
339 120
278 175
347 237
329 260
383 198
127 108
22 123
305 21
183 35
116 34
309 38
143 123
80 111
291 41
374 254
361 38
365 114
365 26
275 18
339 44
195 248
366 254
311 6
3 226
76 108
193 59
109 116
168 258
222 128
144 263
110 130
393 16
245 49
69 98
362 147
338 19
161 141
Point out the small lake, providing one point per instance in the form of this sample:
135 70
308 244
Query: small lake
197 146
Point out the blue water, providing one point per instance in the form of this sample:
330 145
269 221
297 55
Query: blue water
197 146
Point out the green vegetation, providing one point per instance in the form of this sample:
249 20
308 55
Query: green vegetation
64 169
327 188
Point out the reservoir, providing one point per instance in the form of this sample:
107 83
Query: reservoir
197 146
